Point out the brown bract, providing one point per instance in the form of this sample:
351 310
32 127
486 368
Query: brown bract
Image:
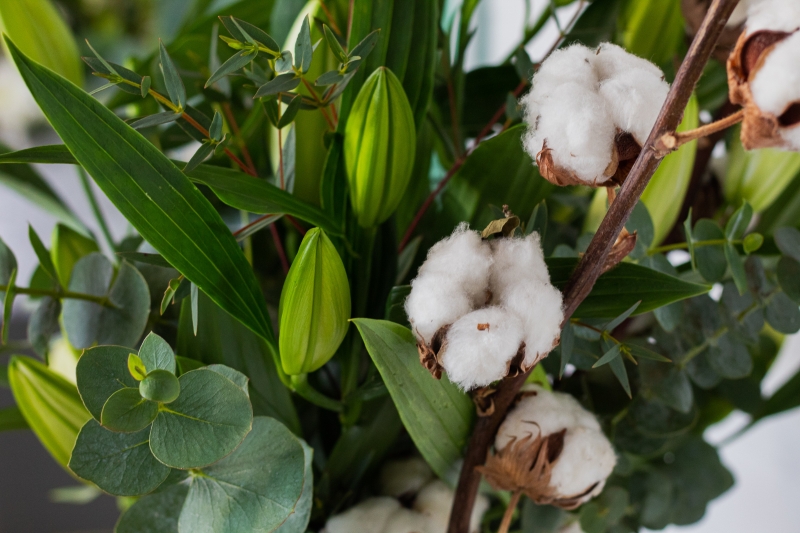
526 465
623 155
760 129
429 353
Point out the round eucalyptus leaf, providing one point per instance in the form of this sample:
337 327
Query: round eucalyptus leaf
156 353
119 463
783 314
101 372
121 319
126 411
155 513
789 277
160 386
208 421
730 359
263 483
710 259
239 379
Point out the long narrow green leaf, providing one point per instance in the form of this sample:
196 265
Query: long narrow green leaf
151 192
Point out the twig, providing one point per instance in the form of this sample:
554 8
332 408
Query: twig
226 107
279 248
670 142
60 294
591 264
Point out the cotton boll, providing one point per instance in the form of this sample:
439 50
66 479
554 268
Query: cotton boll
572 64
574 527
480 346
546 412
516 260
406 521
405 476
611 60
586 460
634 98
539 306
435 501
773 15
576 127
369 516
435 301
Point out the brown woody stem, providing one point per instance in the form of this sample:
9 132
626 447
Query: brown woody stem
509 514
591 264
672 141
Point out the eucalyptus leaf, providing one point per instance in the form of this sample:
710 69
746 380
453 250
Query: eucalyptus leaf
155 120
42 254
236 62
126 411
737 267
789 277
102 371
282 83
155 353
151 193
291 112
436 414
158 386
43 324
739 222
782 314
710 259
195 431
729 358
172 79
119 463
303 48
155 513
788 241
67 248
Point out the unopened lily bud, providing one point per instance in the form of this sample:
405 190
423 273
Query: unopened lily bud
589 113
379 147
50 404
552 449
764 75
314 307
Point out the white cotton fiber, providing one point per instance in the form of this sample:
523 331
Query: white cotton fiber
516 260
634 98
572 64
539 306
435 502
404 477
611 60
406 521
575 125
452 281
369 516
774 15
480 346
574 527
546 411
587 459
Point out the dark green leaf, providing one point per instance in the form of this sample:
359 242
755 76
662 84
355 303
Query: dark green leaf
566 347
119 463
644 353
236 26
608 357
710 260
788 241
152 194
263 482
101 372
789 277
366 45
215 131
329 78
237 61
48 154
43 324
126 411
617 290
11 419
187 365
172 79
199 156
194 430
641 223
436 414
159 386
8 304
737 267
156 120
783 314
42 254
258 196
618 368
156 353
290 112
282 83
611 326
738 223
729 358
303 48
284 62
333 43
150 259
68 246
155 513
538 220
122 319
145 86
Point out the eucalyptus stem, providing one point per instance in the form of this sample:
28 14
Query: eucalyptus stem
60 294
101 221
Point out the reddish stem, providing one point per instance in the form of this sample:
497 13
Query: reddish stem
226 107
279 248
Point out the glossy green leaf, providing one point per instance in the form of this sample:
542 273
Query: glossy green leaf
159 386
193 431
291 112
102 371
314 307
652 29
50 404
221 339
8 268
11 419
119 463
122 319
8 305
617 290
187 365
263 480
710 259
48 154
202 153
611 326
66 248
38 29
379 135
126 411
152 194
436 414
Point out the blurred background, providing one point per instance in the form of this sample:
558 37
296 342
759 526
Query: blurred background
36 495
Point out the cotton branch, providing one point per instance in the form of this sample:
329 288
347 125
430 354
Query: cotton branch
591 264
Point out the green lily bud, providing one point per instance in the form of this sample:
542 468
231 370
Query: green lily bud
379 145
314 307
50 404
